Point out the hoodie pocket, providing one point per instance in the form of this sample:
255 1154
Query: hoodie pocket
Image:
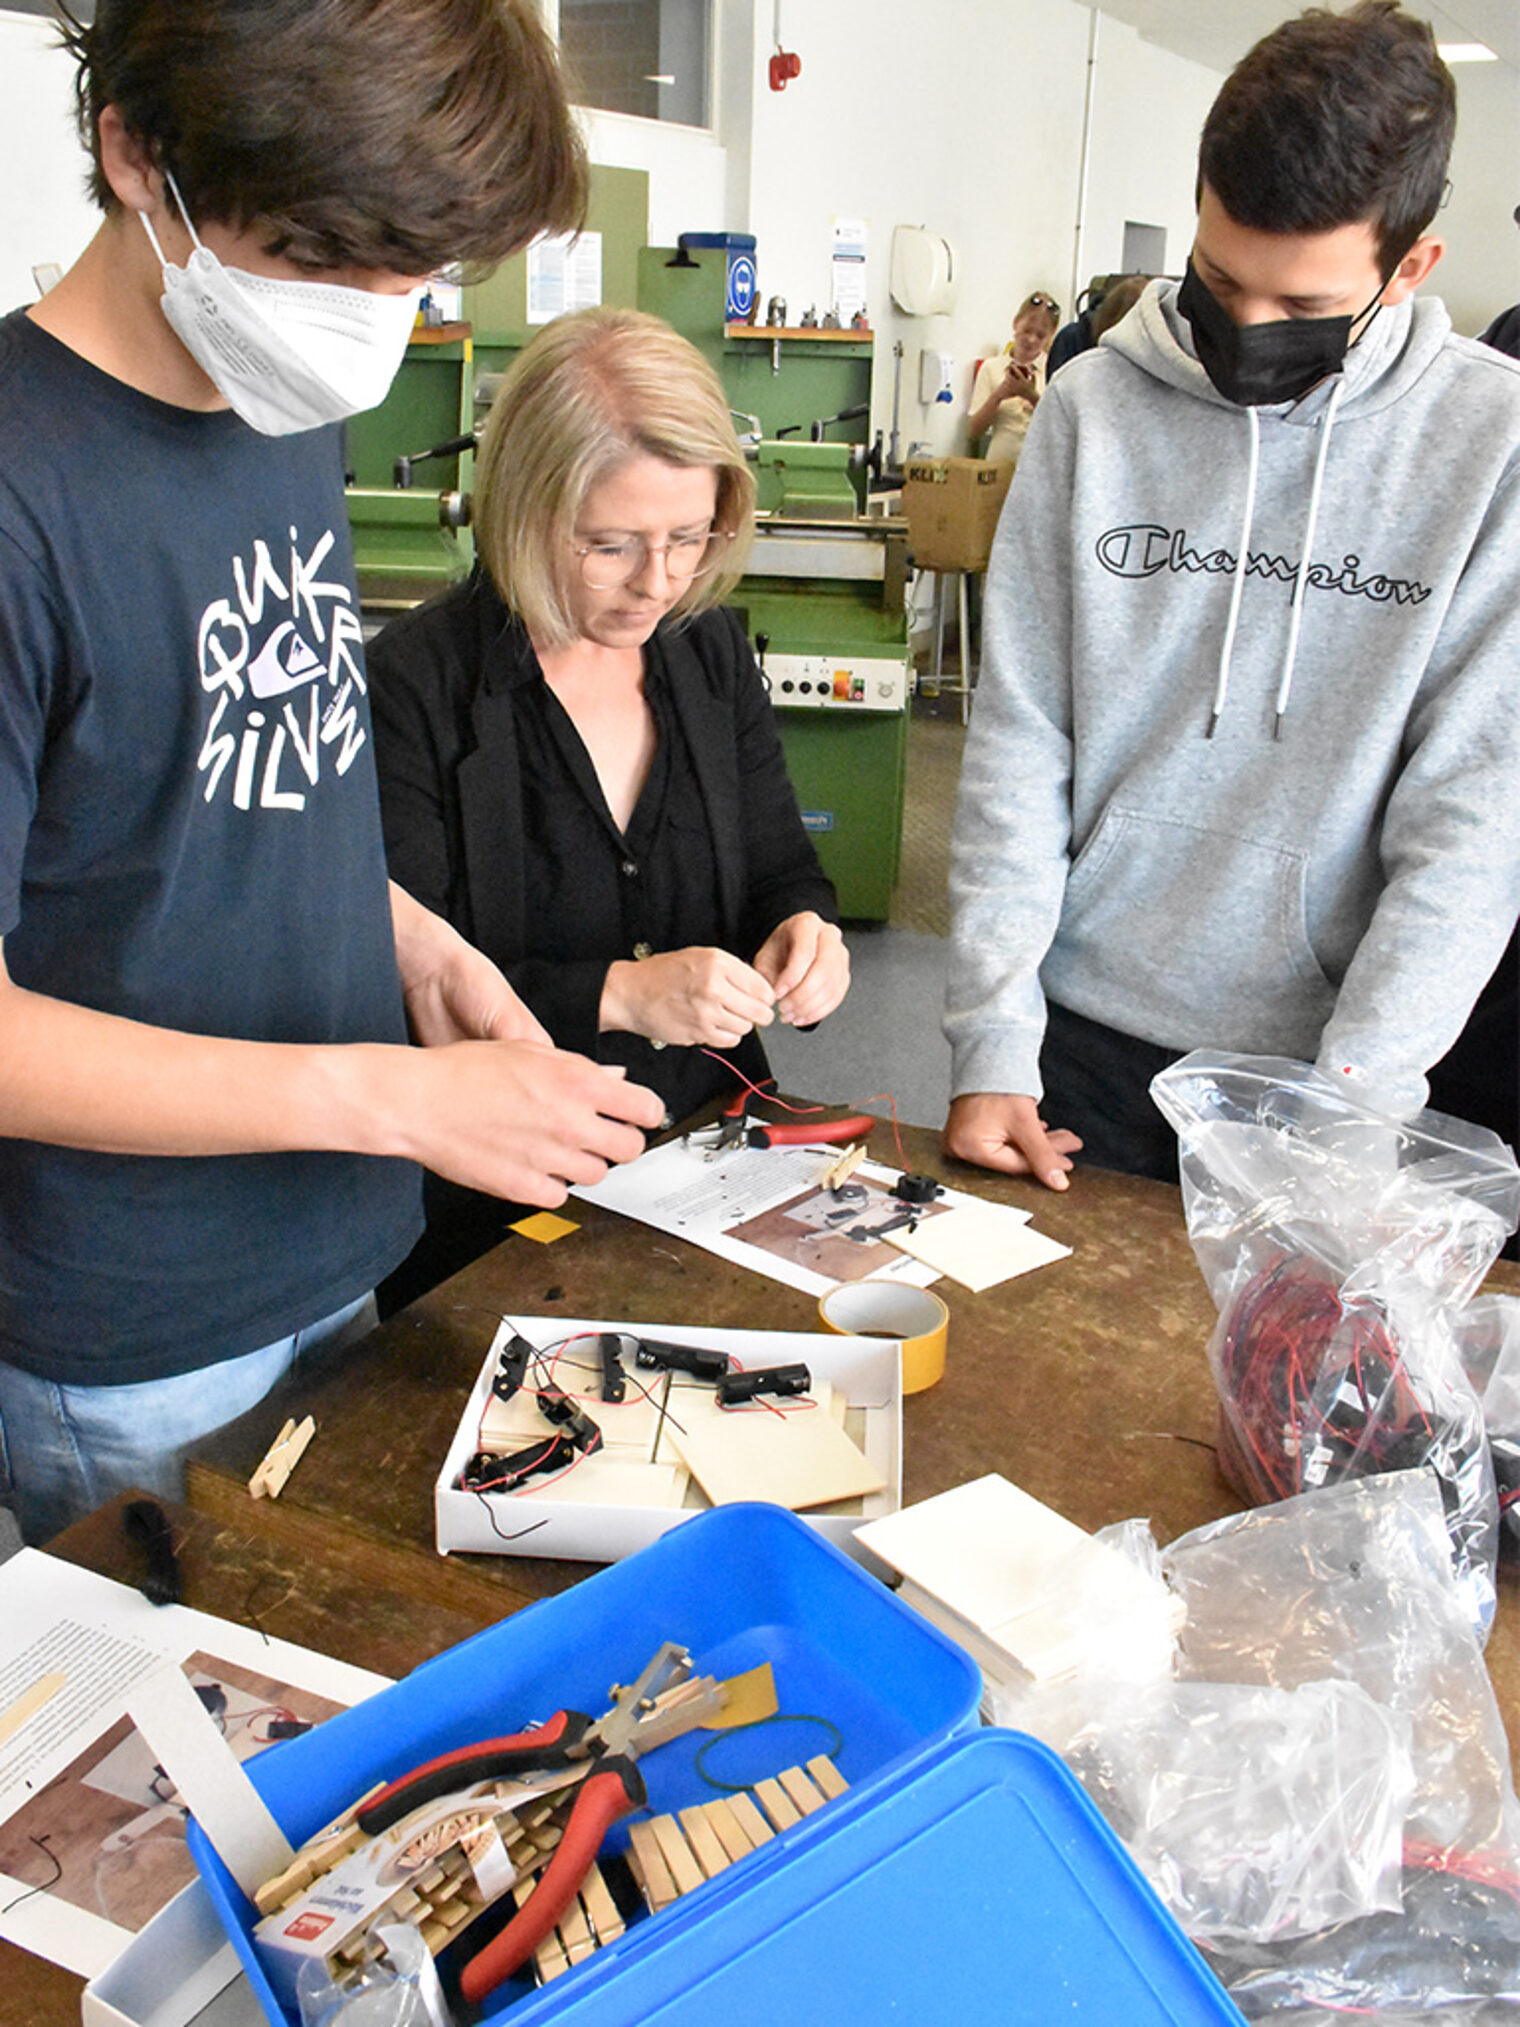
1188 934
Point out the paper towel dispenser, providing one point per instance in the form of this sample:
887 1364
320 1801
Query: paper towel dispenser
923 276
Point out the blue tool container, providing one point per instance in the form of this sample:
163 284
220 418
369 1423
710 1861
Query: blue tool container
737 1585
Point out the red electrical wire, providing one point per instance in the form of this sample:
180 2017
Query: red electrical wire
1314 1384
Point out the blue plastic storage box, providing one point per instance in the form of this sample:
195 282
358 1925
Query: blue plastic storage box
738 1585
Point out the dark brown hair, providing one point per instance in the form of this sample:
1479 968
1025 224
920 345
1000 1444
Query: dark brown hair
377 134
1333 119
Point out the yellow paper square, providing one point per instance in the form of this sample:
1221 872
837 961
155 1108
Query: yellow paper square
545 1227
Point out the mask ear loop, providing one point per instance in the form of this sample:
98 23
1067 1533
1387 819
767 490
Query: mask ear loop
184 210
147 226
195 237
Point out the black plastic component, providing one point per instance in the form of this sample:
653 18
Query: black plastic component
577 1425
486 1471
511 1368
614 1385
776 1379
657 1357
917 1189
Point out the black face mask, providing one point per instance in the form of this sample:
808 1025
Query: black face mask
1258 365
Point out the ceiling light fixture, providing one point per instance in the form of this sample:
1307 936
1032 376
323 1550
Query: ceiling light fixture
1465 52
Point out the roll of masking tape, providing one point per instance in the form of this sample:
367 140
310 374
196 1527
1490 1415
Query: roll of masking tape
889 1309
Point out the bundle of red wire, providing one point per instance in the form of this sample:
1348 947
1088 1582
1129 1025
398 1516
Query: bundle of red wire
1314 1386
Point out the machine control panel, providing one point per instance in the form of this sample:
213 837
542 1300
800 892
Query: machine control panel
840 682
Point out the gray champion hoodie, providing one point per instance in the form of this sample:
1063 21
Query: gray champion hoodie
1244 767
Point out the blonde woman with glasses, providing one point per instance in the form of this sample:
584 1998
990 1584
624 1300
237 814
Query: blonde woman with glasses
579 766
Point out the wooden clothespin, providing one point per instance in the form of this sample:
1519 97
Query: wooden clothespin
840 1170
282 1457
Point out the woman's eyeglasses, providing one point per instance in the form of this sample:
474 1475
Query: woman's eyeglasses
608 566
1039 302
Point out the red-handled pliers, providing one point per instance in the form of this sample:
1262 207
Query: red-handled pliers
736 1130
611 1787
545 1747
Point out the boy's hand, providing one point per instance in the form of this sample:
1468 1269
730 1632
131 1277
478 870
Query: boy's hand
453 992
1004 1130
521 1120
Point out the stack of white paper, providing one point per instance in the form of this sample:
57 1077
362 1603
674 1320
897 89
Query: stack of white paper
1028 1594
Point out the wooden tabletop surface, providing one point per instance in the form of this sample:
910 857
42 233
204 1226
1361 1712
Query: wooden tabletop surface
1085 1382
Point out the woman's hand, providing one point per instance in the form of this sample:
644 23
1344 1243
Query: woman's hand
1020 383
808 968
698 997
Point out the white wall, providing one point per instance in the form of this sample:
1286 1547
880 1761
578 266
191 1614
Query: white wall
1148 111
687 171
1480 274
971 126
969 123
44 212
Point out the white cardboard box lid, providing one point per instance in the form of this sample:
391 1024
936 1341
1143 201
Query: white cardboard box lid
180 1968
464 1520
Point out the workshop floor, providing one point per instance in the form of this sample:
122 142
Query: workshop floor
886 1037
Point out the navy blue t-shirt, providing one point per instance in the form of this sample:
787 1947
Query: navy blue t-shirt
189 836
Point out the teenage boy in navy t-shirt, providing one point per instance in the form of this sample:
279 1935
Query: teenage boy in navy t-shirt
209 1113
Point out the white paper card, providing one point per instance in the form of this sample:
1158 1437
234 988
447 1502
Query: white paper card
981 1244
211 1782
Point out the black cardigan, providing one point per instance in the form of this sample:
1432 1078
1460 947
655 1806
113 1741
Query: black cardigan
446 749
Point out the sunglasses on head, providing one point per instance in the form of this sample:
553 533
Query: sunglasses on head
1040 302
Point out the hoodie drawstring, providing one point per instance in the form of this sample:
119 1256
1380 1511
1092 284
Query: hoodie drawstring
1301 575
1301 581
1242 560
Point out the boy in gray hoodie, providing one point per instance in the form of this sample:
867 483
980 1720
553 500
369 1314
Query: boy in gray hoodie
1244 765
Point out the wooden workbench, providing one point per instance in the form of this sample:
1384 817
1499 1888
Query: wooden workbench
1086 1383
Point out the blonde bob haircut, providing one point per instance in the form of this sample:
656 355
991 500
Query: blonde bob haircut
592 390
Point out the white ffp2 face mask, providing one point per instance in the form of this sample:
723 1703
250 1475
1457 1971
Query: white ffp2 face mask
286 355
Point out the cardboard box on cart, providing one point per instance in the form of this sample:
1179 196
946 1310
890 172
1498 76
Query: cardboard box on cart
952 505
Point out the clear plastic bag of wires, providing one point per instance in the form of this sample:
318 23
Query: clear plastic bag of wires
1490 1344
1341 1247
1354 1585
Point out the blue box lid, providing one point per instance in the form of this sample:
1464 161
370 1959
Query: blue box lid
978 1886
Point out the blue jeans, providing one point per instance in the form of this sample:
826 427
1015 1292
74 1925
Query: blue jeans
66 1450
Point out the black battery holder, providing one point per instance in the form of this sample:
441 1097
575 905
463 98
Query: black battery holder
738 1387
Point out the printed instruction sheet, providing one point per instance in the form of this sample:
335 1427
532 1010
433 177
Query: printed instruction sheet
769 1209
92 1831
